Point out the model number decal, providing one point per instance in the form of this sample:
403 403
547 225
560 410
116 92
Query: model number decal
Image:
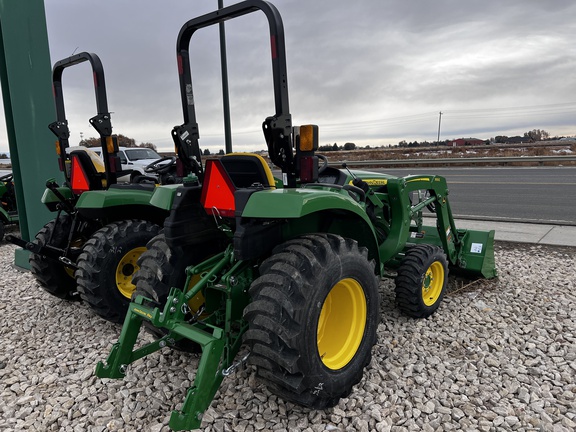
374 182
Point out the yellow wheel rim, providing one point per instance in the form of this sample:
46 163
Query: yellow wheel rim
197 301
433 283
69 271
341 324
126 269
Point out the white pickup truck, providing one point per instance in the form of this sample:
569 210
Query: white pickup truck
136 159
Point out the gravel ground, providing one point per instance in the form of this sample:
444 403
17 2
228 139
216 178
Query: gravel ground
498 355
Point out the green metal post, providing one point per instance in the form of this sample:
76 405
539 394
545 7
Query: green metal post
25 73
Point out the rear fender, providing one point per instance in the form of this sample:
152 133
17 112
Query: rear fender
294 212
120 204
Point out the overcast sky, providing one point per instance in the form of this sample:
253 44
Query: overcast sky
372 72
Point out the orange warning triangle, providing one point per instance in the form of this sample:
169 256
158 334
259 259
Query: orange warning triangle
218 190
78 177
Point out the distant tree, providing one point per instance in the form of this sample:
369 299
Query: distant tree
349 146
206 152
90 142
537 135
123 141
148 145
325 148
500 139
335 147
221 152
403 143
4 156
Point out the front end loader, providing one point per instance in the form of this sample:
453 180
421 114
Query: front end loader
289 267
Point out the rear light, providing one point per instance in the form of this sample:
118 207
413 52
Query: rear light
110 145
78 178
112 162
179 168
308 138
308 169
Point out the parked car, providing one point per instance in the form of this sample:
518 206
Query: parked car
136 159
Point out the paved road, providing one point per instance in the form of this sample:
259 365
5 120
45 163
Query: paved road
530 194
520 194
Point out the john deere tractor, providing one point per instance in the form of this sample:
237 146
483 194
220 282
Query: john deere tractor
8 210
90 249
290 267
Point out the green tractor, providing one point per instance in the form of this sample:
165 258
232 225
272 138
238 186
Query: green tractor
290 267
8 210
90 249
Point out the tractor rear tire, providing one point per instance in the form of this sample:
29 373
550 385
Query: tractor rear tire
107 264
54 277
421 281
162 268
313 319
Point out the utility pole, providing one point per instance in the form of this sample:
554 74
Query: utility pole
439 123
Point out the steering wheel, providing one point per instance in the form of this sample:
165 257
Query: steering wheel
159 167
7 178
324 165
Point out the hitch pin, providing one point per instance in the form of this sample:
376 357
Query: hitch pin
67 261
230 370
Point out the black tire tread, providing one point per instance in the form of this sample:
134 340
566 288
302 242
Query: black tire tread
91 263
275 315
160 269
408 282
51 275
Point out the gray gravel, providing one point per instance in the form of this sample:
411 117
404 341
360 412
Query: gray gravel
497 355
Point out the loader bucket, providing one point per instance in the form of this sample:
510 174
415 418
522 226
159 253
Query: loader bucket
476 256
473 251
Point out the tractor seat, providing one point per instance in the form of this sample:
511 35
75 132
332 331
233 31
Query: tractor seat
248 170
224 176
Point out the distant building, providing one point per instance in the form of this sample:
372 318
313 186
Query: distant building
465 141
519 140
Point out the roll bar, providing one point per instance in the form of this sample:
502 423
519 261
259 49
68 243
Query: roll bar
101 121
277 128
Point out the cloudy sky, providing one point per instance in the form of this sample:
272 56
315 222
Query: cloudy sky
372 72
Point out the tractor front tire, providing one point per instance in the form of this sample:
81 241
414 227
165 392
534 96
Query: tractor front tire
313 319
421 281
54 277
107 263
